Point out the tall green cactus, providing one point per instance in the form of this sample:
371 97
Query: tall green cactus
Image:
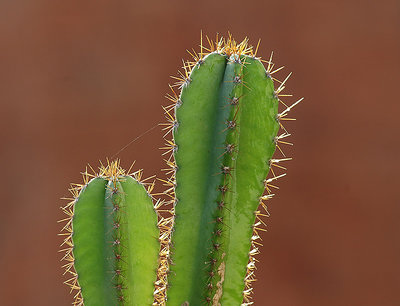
225 126
225 130
111 239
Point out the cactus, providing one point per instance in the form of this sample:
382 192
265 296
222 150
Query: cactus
225 126
111 239
222 132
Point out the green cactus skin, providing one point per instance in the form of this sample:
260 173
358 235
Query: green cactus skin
225 127
114 240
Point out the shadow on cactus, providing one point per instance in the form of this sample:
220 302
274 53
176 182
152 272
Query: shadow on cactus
222 132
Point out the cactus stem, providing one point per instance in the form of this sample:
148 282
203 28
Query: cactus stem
236 54
112 172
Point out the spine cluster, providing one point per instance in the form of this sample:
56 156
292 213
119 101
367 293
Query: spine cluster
67 245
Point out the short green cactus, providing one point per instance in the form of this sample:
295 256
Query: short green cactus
224 125
112 239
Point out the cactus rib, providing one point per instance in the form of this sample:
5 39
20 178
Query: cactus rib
111 238
224 124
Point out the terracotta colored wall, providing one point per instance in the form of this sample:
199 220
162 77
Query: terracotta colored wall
80 79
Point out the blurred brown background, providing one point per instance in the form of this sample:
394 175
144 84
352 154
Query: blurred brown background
81 79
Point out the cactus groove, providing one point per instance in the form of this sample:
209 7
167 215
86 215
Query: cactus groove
225 126
112 248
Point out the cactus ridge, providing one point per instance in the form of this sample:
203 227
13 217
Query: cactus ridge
115 275
238 57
